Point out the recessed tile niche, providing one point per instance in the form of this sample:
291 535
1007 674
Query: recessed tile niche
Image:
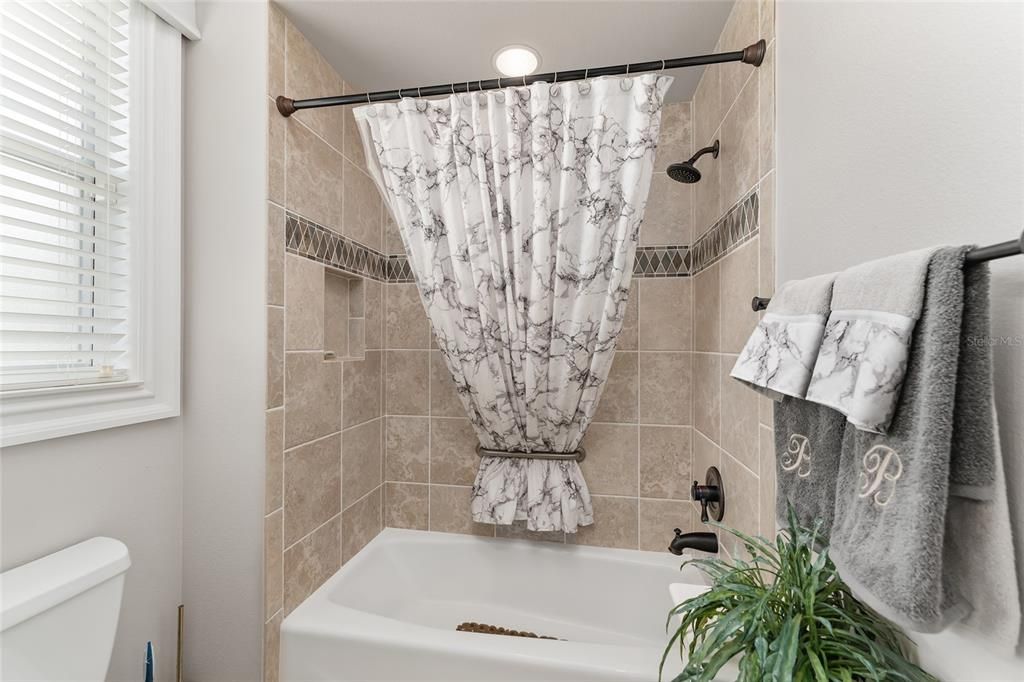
344 317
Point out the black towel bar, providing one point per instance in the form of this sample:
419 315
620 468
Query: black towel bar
1013 247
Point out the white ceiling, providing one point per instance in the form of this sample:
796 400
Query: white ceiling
381 45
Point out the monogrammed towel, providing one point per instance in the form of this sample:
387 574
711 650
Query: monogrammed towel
889 535
779 355
808 441
862 359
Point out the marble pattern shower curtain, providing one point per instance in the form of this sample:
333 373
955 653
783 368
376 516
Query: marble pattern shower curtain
520 210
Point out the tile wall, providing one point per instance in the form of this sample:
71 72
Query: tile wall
325 364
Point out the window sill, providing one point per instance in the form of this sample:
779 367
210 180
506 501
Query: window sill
41 414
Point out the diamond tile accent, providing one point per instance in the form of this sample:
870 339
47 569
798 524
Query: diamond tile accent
734 228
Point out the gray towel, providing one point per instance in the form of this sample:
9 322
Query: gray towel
779 355
808 441
892 494
862 361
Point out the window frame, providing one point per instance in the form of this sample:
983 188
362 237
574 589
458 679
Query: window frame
153 389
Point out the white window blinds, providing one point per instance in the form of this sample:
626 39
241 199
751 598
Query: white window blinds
64 223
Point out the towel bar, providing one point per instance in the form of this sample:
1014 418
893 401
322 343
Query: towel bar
578 456
1013 247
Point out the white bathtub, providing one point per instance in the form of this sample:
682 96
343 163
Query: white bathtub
391 612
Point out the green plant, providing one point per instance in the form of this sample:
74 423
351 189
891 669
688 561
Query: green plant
786 615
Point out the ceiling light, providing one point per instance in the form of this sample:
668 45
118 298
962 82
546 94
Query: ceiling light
516 60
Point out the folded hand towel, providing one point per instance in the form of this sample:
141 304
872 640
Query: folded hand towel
779 355
889 536
863 355
808 441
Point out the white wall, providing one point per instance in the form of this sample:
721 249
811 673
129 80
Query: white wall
124 483
225 341
901 124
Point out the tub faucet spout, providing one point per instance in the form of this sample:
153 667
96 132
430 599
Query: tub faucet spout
705 542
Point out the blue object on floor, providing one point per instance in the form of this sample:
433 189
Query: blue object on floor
149 662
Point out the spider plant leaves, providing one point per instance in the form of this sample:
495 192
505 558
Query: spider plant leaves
784 614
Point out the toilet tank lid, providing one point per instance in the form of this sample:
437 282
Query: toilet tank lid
32 588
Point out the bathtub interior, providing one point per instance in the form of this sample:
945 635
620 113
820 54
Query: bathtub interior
580 594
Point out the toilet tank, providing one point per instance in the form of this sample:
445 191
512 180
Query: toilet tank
58 614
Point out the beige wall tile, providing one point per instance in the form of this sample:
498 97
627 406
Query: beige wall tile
309 75
360 523
406 382
275 255
357 296
361 461
273 495
610 467
277 139
336 314
406 324
665 392
705 454
675 141
311 561
665 462
444 400
739 417
276 47
707 113
742 502
668 217
629 334
766 236
406 505
362 388
707 194
707 395
767 482
353 148
766 411
357 337
374 313
659 519
615 523
272 648
740 30
312 486
362 211
449 511
273 549
407 449
453 458
618 401
393 245
312 398
665 312
275 356
767 20
304 300
313 176
766 116
739 158
706 310
738 285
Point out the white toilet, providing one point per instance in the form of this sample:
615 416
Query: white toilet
58 614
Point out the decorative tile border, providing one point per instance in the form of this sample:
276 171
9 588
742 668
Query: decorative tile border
305 238
733 229
662 261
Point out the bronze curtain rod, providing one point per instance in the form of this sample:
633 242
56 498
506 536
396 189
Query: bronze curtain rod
1013 247
752 54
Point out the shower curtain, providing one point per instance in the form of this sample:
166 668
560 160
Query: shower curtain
520 210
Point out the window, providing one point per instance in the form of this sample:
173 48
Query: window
89 129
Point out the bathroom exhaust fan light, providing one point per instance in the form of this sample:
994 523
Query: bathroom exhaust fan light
516 60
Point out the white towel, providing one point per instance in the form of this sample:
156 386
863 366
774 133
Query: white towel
779 355
863 355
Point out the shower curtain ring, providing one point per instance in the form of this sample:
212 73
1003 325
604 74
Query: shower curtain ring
419 92
662 66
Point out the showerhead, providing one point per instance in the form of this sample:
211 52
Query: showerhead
686 172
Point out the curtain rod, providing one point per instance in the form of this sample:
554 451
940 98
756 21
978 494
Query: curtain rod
1013 247
752 54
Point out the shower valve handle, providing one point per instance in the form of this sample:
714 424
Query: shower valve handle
710 496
